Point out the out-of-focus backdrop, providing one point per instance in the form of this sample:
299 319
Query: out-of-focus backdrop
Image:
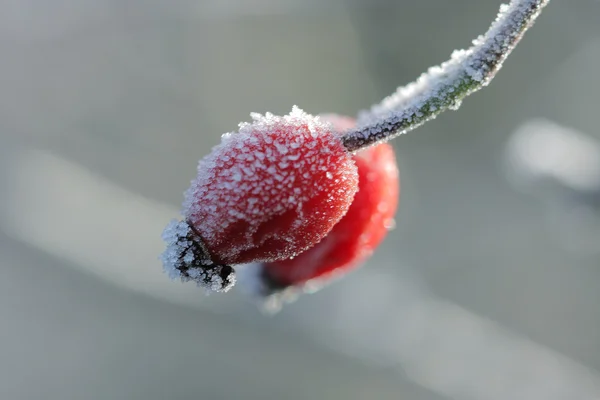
489 287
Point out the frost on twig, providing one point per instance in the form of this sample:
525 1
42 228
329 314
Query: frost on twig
443 87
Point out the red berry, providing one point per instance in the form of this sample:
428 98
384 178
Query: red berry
267 193
361 230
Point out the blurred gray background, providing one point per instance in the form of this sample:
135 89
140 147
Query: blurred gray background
106 107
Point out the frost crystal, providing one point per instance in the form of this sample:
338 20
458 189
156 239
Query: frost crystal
186 258
443 87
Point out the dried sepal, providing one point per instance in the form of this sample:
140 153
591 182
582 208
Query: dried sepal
187 259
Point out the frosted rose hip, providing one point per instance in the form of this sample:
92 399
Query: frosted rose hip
361 230
268 192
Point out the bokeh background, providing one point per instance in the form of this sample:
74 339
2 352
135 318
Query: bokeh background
486 289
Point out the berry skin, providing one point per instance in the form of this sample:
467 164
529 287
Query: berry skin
361 230
266 193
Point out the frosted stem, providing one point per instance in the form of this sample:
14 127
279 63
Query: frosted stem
443 87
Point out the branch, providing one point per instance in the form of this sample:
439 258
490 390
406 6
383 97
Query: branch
444 87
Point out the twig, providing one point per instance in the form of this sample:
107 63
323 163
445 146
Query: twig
444 87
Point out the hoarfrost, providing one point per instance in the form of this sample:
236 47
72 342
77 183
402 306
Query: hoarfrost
443 87
286 162
186 259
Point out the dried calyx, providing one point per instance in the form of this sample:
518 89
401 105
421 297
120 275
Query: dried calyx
187 258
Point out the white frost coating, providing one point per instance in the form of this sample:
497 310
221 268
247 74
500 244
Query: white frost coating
175 247
443 87
272 166
180 261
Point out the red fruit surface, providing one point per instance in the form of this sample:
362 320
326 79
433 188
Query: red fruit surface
272 190
361 230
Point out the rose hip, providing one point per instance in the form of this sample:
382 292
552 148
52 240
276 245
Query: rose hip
361 230
266 193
